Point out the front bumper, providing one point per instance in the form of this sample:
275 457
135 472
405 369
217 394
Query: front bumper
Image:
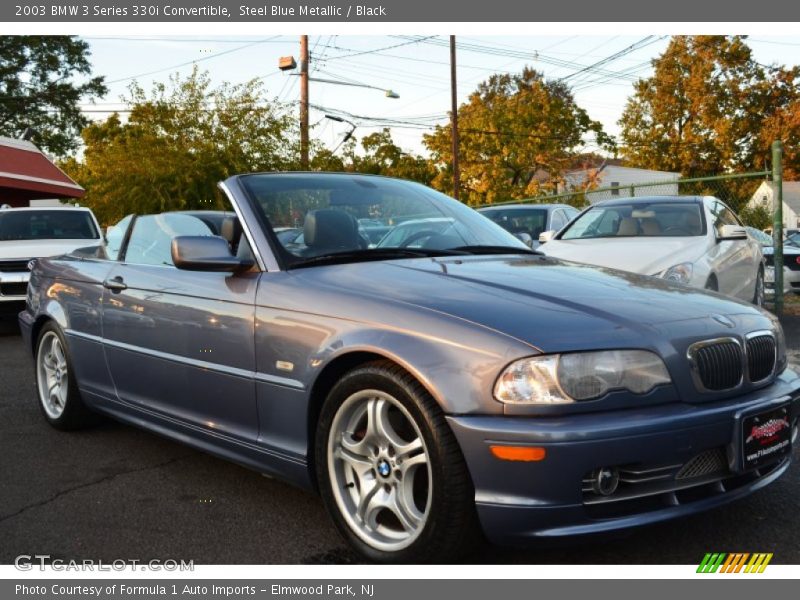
13 286
791 281
518 502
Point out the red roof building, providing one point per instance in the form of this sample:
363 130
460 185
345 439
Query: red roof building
27 174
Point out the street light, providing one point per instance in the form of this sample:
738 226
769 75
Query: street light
288 63
388 93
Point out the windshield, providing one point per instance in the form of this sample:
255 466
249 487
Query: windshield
639 219
336 214
47 225
793 239
762 238
532 221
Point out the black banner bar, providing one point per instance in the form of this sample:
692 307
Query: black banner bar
392 11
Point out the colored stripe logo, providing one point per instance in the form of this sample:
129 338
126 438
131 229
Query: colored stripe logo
736 562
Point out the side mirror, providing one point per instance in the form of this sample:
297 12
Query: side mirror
525 238
731 232
546 236
206 253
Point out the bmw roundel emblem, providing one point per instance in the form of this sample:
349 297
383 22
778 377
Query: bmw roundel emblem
723 320
384 469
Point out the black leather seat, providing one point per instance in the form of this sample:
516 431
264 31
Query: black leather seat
328 230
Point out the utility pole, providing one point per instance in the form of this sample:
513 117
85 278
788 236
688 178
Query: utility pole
454 116
304 102
777 223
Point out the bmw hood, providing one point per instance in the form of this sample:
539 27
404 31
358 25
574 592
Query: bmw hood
547 303
644 255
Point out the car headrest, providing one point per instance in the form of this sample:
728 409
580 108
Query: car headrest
327 228
230 229
650 227
628 226
692 222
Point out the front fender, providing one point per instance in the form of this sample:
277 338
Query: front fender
460 378
458 364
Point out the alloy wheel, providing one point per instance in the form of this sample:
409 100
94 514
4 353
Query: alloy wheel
52 375
380 470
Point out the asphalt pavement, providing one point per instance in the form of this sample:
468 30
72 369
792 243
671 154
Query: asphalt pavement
117 492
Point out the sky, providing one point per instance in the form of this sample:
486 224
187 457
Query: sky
416 68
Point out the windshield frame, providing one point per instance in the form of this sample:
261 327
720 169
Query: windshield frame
633 202
286 260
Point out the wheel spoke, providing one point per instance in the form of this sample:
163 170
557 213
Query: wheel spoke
355 447
409 450
379 427
408 466
403 507
369 505
361 465
59 354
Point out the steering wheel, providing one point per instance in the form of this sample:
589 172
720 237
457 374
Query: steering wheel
418 236
678 228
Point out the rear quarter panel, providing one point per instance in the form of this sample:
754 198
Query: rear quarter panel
69 291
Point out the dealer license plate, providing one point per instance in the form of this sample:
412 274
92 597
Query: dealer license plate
766 436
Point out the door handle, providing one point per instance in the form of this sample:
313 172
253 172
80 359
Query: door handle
115 284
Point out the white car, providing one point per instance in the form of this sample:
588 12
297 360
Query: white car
692 240
27 233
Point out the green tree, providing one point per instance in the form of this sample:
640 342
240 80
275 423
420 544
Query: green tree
38 89
784 125
758 216
513 129
703 109
379 155
178 142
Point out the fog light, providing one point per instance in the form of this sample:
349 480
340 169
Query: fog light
605 481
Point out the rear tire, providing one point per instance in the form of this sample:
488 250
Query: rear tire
56 388
390 470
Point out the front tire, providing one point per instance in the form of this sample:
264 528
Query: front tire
760 293
390 471
56 388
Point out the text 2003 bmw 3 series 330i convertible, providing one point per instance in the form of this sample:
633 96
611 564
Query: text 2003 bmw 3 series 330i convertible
428 374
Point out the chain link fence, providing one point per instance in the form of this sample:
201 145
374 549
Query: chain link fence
736 190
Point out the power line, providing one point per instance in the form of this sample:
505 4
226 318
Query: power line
644 42
180 40
533 55
376 50
191 62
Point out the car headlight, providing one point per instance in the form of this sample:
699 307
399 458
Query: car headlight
565 378
680 273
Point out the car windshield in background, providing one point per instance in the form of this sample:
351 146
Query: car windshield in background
532 221
657 219
762 238
357 217
793 239
47 225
